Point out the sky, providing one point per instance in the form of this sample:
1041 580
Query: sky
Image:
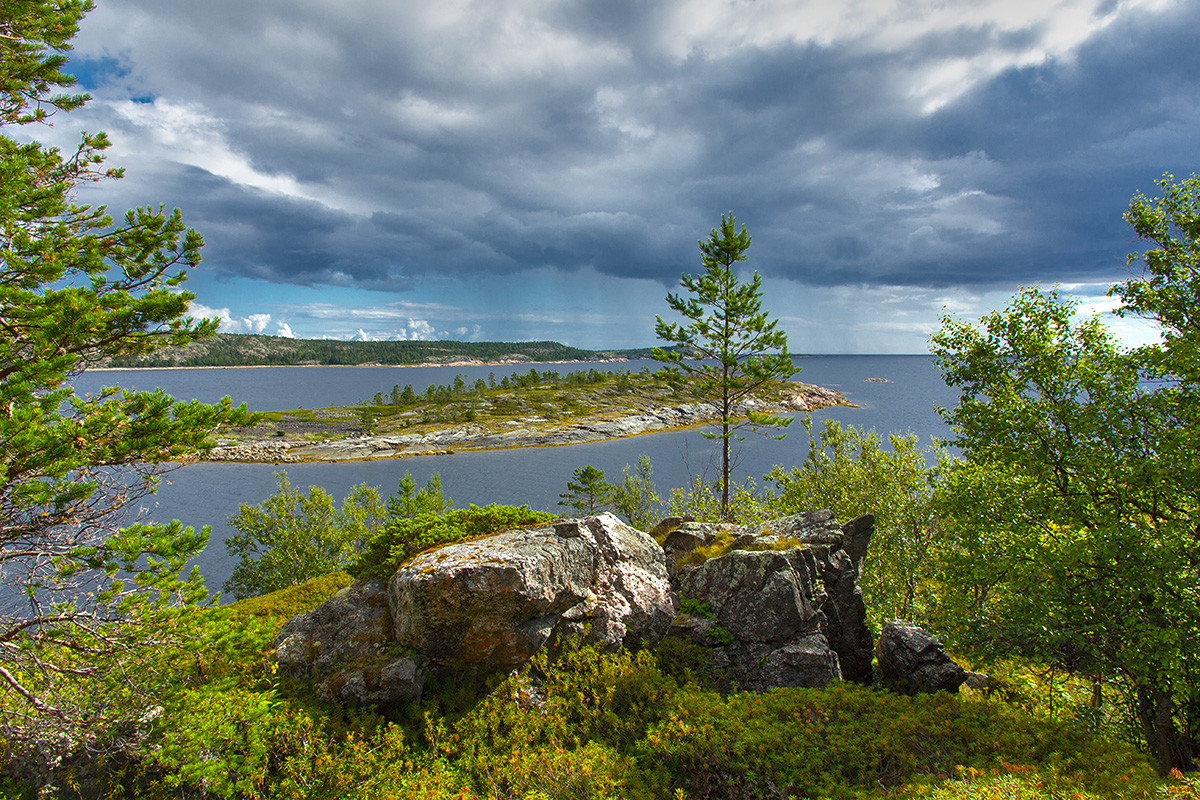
508 170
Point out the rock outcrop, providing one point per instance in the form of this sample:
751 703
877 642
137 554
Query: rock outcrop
792 616
785 606
912 661
524 432
809 398
492 603
487 604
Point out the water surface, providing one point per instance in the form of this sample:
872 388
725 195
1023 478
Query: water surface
896 393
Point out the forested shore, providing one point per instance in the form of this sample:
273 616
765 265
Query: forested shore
258 350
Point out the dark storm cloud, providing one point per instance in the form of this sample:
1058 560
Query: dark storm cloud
492 142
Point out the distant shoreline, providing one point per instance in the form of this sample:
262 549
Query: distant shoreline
374 365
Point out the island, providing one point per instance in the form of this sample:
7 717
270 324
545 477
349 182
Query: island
535 409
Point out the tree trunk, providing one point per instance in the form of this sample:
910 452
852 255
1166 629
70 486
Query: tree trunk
725 469
1155 711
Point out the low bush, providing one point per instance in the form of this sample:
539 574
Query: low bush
401 539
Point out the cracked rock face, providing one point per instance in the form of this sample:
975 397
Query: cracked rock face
494 602
795 616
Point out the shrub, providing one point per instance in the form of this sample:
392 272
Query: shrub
402 539
702 502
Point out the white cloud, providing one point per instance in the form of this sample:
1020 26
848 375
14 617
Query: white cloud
254 323
187 133
421 329
472 334
1022 33
285 331
417 329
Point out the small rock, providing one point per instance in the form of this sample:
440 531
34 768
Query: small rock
912 661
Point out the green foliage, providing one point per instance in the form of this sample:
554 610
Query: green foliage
587 491
1074 512
409 501
729 348
546 394
37 34
595 725
1167 289
635 498
401 539
695 608
281 605
293 536
703 502
848 471
1022 782
77 287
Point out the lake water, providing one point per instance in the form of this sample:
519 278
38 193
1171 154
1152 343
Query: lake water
208 494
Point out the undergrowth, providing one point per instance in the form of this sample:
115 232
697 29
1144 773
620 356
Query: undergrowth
596 726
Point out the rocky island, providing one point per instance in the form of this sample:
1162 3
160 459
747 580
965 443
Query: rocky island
540 411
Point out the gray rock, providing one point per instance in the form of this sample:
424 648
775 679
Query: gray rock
493 602
666 525
912 661
856 536
678 544
795 617
756 596
345 646
811 527
804 662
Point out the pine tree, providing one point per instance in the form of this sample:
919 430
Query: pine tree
588 491
729 349
76 288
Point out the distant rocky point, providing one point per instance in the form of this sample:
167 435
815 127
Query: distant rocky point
514 433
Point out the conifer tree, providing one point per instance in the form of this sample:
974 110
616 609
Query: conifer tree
77 288
588 491
729 349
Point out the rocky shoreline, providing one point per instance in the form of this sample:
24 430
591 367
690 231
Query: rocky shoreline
515 433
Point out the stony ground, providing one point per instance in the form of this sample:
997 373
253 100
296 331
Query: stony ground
532 417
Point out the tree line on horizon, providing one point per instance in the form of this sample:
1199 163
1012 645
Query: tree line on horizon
253 350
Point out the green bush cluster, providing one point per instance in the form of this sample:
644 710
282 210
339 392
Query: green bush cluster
599 726
401 539
441 395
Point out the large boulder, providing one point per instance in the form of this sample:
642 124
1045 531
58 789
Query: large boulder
912 661
792 616
493 602
487 604
345 646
